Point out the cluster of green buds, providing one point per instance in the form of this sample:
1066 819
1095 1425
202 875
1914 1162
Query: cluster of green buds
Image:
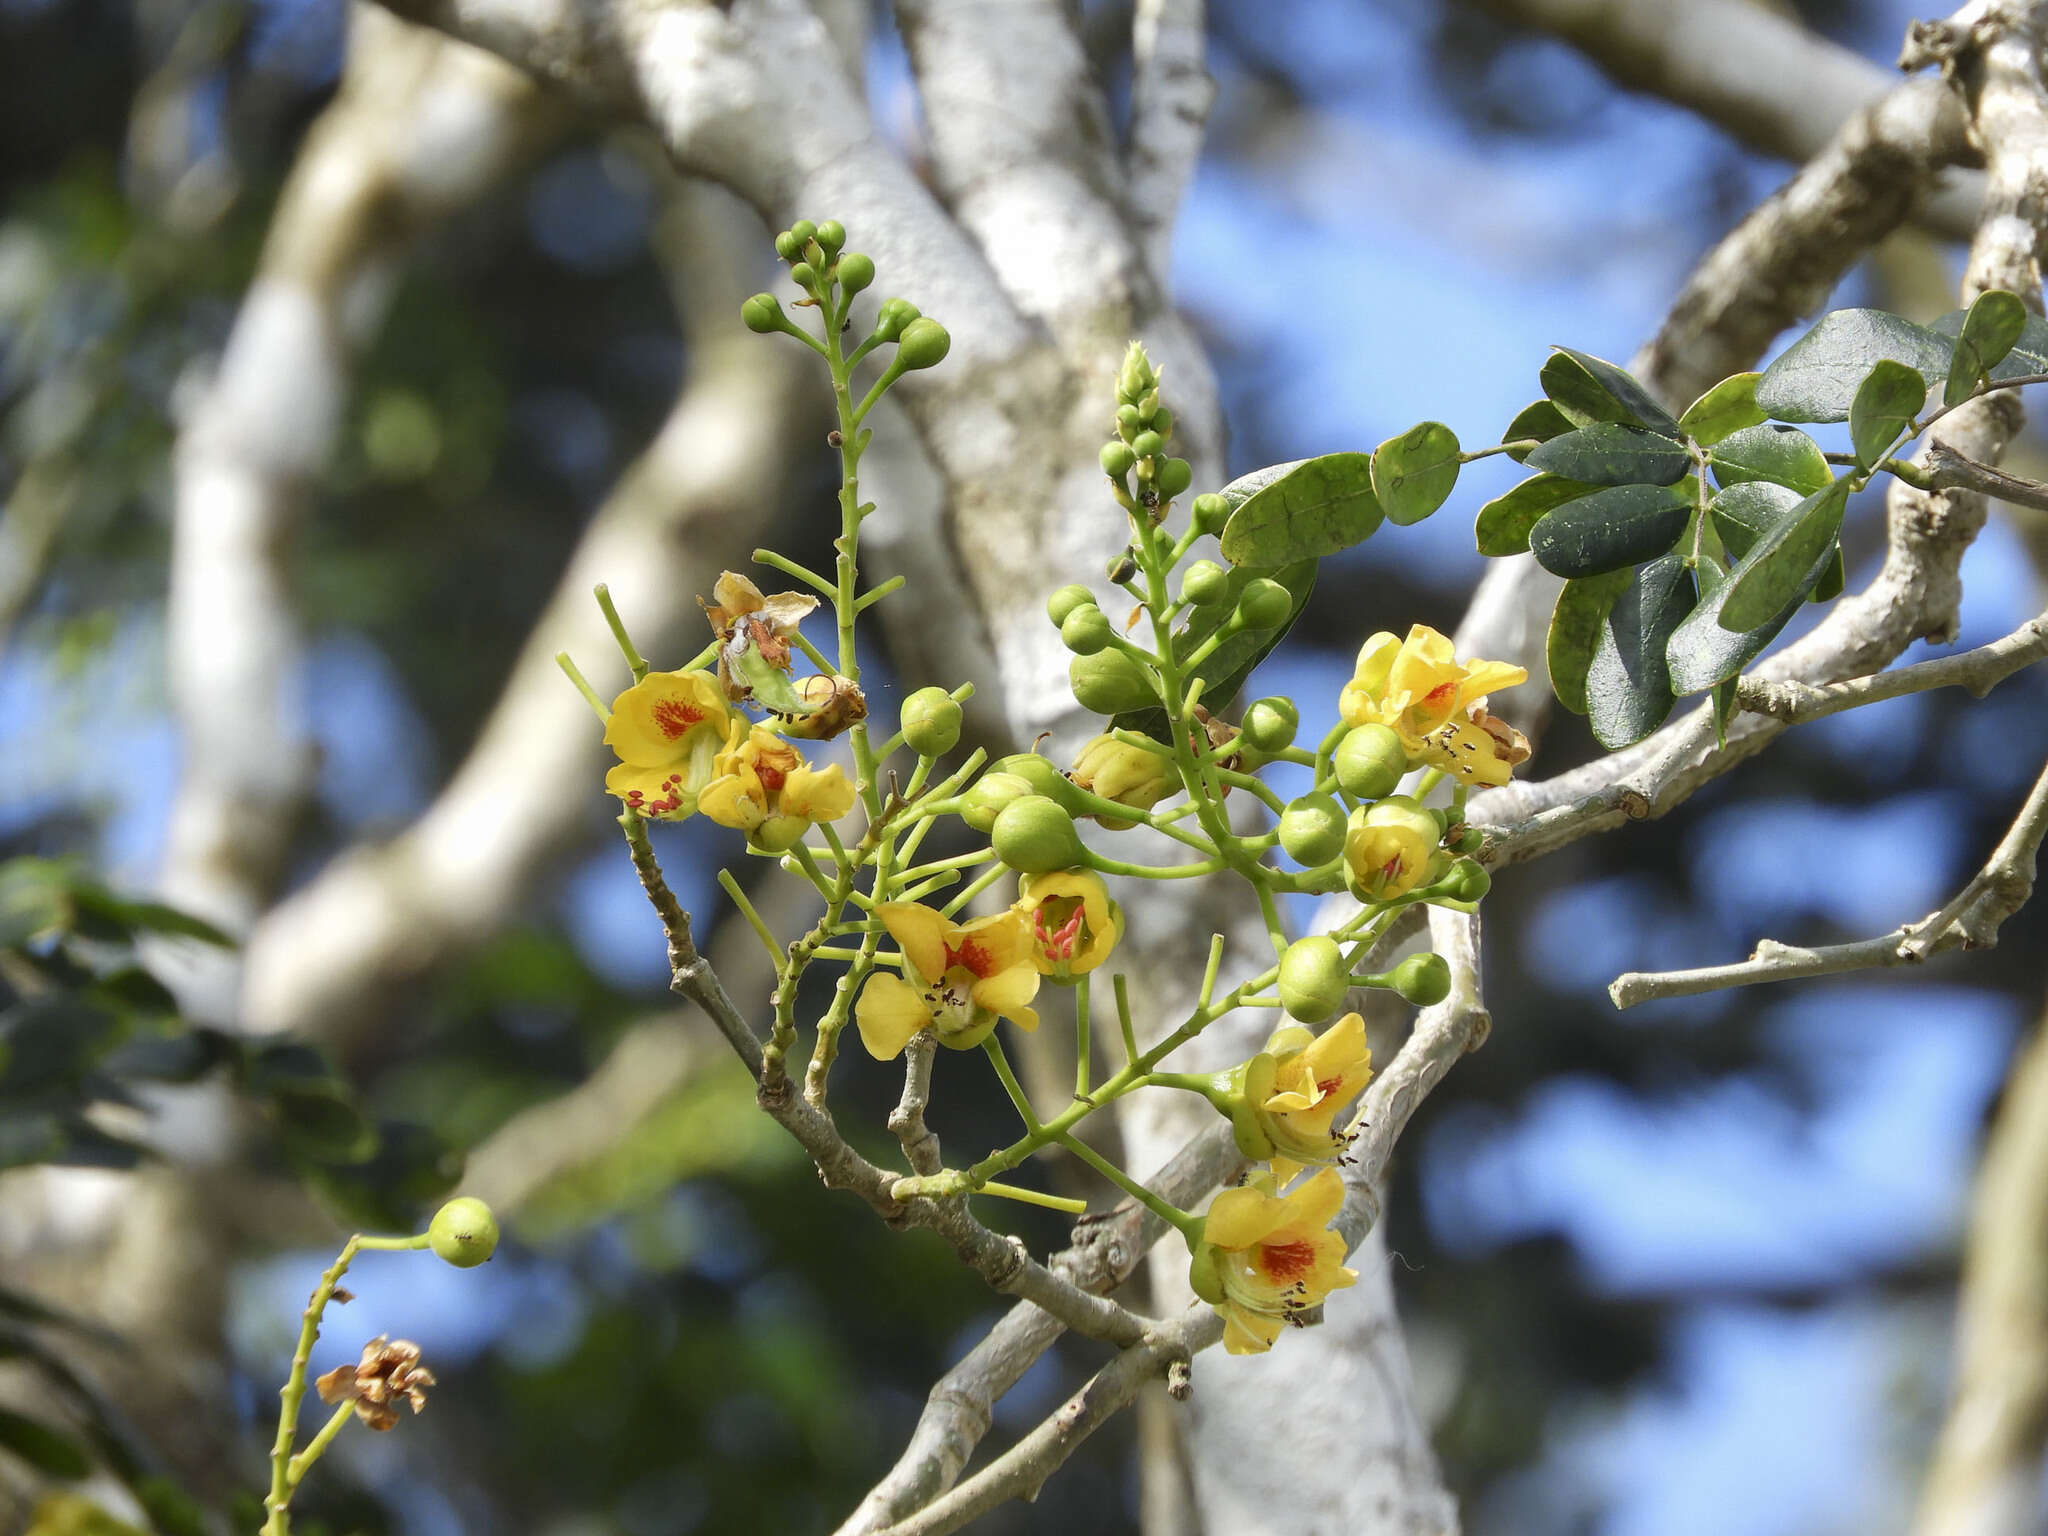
1141 473
819 263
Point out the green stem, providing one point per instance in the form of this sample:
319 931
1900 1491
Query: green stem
618 627
1083 1047
317 1446
575 675
1190 1227
994 1048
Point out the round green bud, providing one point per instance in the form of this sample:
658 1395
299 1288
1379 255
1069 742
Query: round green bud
1148 445
1117 460
1264 604
779 834
1109 682
1424 980
1173 477
1469 840
1313 980
1035 835
893 316
1162 422
1128 422
930 722
803 231
1210 512
831 235
1066 600
787 246
1122 568
804 275
980 806
1467 881
762 314
923 344
463 1232
1204 1279
1312 830
1043 776
1085 630
856 271
1205 582
1270 724
1370 761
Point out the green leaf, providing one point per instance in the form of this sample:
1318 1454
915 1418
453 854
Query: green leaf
1413 474
1782 455
1611 529
1628 685
1608 453
1316 508
1817 377
48 1450
1832 579
1539 422
2028 356
1590 389
1782 566
1886 402
320 1121
1232 661
1990 331
1724 711
1575 624
1701 653
1744 513
768 683
1728 407
1503 524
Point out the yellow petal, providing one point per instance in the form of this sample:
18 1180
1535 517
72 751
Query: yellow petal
998 942
818 794
786 610
652 722
1341 1052
1009 993
1483 677
1246 1332
734 800
736 595
1238 1218
1459 747
889 1014
920 932
1315 1201
657 792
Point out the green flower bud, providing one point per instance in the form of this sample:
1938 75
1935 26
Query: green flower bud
1116 770
1424 980
1035 836
1312 830
1466 881
1128 422
804 275
787 246
1204 1279
1136 378
803 231
856 271
930 722
1370 761
831 235
762 314
1173 477
1066 600
1109 682
1270 724
980 806
1205 582
1210 512
1086 630
464 1232
1117 460
779 834
1122 568
1148 445
1162 422
923 344
1264 604
1043 776
1313 979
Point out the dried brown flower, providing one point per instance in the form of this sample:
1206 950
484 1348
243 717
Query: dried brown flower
389 1370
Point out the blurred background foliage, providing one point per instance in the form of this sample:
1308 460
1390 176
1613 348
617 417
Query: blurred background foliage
1685 1269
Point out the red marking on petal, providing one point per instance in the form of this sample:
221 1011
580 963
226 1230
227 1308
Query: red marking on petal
1325 1086
673 717
1287 1262
771 777
972 955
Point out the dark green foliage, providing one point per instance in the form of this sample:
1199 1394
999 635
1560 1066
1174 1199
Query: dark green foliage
1608 530
1628 685
1300 511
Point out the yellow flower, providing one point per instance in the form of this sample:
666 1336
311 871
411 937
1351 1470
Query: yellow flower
762 787
958 978
1265 1258
1129 775
1074 924
1291 1091
1437 703
666 729
1391 848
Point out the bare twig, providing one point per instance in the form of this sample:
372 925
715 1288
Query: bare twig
1978 670
920 1146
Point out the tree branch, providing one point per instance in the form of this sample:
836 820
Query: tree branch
1171 92
1979 671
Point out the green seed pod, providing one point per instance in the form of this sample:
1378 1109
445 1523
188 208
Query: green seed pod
1424 980
1117 460
1313 980
1162 422
831 235
1370 761
787 246
1312 830
1128 422
1203 1277
1086 630
1042 775
856 271
463 1232
1109 682
1173 477
980 806
804 275
1148 445
761 314
1264 604
1035 835
803 231
1210 512
923 344
930 722
1066 600
1205 582
1270 724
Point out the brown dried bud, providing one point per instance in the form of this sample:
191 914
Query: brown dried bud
840 706
389 1370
